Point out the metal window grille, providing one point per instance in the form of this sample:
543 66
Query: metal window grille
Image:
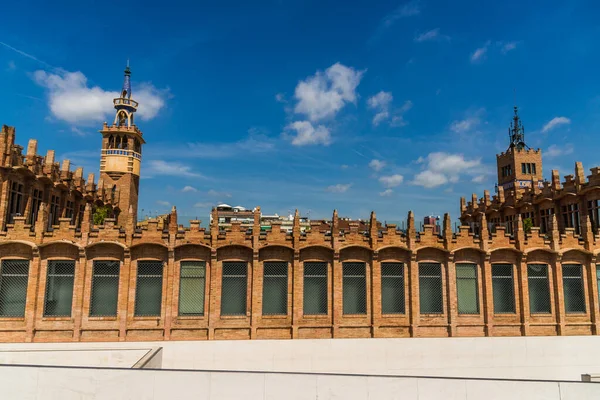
315 288
192 284
467 289
148 291
503 289
13 287
275 288
234 288
59 288
392 288
573 288
430 288
105 289
354 288
539 289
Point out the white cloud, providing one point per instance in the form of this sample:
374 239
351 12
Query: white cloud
307 134
405 10
377 165
433 34
554 122
507 46
324 94
478 179
189 189
441 168
381 103
391 180
386 192
339 188
479 54
471 121
71 99
166 168
555 151
163 203
344 166
214 193
256 143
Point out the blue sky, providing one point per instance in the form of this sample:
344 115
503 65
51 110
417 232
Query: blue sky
358 105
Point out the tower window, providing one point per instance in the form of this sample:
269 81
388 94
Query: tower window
528 168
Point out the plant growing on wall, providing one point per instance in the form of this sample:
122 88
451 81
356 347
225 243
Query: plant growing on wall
527 224
101 213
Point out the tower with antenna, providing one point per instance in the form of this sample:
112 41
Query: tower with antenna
519 166
121 156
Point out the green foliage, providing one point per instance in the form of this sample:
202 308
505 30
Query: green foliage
100 214
527 224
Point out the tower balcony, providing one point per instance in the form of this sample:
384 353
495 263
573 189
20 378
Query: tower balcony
122 102
121 152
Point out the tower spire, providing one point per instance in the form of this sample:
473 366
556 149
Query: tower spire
516 132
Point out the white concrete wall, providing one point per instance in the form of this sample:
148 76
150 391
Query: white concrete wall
49 383
555 358
118 358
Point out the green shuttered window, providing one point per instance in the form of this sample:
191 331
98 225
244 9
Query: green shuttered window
573 288
430 288
148 292
539 289
466 289
192 283
275 288
503 288
354 288
13 287
105 288
234 289
392 288
59 288
315 288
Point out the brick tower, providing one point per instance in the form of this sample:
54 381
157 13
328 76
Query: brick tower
122 154
519 166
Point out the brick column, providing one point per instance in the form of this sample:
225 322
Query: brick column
523 295
594 300
32 294
123 302
255 273
451 296
337 298
559 296
78 294
488 297
297 295
4 193
169 293
375 294
214 291
413 293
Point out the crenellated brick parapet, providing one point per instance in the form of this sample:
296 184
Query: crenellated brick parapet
173 246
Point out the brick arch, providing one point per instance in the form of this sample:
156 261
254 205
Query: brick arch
16 249
105 250
59 250
234 252
468 255
149 250
394 253
192 251
506 255
541 256
276 252
356 253
316 253
432 254
575 256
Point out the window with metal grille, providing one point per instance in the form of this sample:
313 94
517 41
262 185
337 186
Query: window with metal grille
234 288
192 283
467 289
430 288
275 288
59 288
354 289
570 214
36 201
539 289
13 287
148 291
503 289
105 289
573 288
392 288
315 288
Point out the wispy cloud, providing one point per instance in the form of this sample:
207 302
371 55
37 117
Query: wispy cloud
339 188
163 203
391 180
472 120
554 122
214 193
479 54
405 10
431 35
386 192
381 103
167 168
479 179
556 151
505 47
189 189
377 165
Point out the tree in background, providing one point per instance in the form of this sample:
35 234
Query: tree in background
527 224
101 213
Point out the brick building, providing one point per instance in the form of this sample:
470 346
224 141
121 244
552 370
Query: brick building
66 279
